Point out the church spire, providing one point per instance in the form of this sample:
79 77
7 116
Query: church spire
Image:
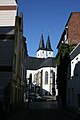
48 44
41 44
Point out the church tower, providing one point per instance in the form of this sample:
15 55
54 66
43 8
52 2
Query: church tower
8 11
41 52
49 51
44 52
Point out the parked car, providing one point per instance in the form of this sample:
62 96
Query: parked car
34 97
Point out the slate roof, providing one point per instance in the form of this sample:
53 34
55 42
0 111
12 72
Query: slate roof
41 44
34 63
48 62
48 45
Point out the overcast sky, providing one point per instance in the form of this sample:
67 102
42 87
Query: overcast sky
47 17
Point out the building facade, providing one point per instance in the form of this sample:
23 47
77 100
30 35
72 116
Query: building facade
12 55
70 37
71 34
43 69
73 79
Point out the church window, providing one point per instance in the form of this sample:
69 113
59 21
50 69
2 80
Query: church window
46 77
53 77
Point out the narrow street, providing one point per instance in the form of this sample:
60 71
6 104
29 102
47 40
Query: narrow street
46 114
39 110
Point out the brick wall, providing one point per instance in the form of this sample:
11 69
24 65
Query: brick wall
74 28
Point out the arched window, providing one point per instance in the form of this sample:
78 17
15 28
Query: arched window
46 77
53 82
53 77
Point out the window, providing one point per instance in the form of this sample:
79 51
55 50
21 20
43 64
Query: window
76 69
53 77
72 68
46 77
66 35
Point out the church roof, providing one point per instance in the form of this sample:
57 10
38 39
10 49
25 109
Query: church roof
48 62
34 63
41 44
48 45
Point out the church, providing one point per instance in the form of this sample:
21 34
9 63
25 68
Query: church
42 70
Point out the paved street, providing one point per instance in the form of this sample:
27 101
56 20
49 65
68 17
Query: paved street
46 114
43 105
36 112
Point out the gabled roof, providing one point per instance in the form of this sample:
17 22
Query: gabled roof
34 63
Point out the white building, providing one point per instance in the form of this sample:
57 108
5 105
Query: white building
73 79
43 69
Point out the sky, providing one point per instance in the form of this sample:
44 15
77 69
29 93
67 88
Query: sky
47 17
